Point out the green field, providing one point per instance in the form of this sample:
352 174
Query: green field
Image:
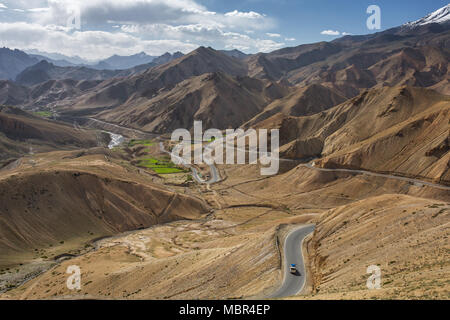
146 143
160 166
44 114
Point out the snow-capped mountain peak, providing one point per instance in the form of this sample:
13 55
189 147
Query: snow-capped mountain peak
439 16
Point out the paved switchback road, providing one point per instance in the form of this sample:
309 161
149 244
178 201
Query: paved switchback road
293 284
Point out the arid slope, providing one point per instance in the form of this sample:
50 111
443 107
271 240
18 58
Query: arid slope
78 196
399 129
406 237
22 133
219 100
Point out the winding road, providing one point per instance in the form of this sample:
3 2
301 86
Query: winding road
215 176
293 284
416 182
117 139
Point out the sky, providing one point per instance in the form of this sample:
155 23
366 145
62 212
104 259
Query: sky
126 27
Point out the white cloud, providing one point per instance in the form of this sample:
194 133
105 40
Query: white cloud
38 10
90 45
206 35
175 12
129 26
26 3
100 12
2 6
290 39
251 14
346 33
330 32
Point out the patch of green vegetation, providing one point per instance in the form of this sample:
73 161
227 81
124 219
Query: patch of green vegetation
167 170
145 143
44 114
160 166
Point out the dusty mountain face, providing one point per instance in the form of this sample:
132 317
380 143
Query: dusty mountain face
45 95
400 129
148 84
277 64
45 71
349 103
219 100
413 56
113 67
302 101
21 132
52 92
12 62
13 94
81 196
235 53
117 62
393 232
196 256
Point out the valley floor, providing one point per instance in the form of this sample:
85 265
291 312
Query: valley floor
234 250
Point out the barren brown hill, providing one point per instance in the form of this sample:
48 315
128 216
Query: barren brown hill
412 56
347 67
12 93
400 56
126 91
45 95
303 101
405 236
188 260
196 256
277 64
400 129
72 197
22 132
12 62
45 71
377 66
50 93
219 100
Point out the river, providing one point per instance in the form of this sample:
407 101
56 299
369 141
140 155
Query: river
116 140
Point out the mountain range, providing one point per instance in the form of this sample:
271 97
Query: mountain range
412 54
315 86
12 62
33 68
365 157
